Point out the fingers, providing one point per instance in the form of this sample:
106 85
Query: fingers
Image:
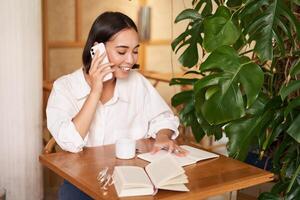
180 151
171 147
102 71
96 61
155 149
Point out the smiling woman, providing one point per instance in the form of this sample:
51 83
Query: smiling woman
84 110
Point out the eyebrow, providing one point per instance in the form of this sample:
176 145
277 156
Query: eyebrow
123 46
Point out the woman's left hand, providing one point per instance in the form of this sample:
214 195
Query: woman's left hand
163 141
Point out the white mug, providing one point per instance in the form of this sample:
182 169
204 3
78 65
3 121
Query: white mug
125 148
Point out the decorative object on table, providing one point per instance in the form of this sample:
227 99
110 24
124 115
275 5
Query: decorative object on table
194 155
164 173
105 179
248 85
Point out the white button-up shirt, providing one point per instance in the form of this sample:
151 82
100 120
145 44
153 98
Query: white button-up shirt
135 111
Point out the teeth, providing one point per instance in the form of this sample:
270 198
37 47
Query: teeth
125 68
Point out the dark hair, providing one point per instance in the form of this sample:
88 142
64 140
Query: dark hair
104 27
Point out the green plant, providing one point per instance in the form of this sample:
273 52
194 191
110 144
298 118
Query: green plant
249 87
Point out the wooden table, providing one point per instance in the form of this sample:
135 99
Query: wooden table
206 178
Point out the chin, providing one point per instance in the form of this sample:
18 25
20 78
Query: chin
121 74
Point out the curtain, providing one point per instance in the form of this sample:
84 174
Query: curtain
20 98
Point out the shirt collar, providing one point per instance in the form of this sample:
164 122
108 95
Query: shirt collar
122 90
80 88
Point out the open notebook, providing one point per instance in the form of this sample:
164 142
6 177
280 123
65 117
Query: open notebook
164 173
192 157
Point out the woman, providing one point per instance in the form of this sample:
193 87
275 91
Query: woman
83 110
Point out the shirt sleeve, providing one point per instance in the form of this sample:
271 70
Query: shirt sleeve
159 115
60 112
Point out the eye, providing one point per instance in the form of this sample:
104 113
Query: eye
121 52
136 52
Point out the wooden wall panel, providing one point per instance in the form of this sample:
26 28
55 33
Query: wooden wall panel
64 61
61 20
92 8
159 59
160 19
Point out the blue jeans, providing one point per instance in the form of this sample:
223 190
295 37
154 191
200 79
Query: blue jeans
67 191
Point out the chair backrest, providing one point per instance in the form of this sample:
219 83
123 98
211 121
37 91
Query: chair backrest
49 146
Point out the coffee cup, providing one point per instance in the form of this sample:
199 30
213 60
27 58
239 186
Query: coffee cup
125 148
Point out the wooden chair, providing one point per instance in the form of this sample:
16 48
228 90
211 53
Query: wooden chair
49 147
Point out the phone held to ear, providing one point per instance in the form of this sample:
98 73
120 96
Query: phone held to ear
101 48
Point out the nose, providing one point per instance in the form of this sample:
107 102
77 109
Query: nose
130 58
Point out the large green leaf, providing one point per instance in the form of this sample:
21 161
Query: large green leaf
241 133
234 76
294 129
268 196
183 81
234 3
189 57
206 81
270 19
251 84
294 194
189 38
180 39
187 114
197 130
223 107
215 130
295 103
279 187
277 127
219 30
295 69
181 97
188 14
291 87
206 7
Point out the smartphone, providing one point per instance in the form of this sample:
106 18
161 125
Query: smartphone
101 48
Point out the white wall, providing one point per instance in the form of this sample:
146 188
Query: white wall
20 98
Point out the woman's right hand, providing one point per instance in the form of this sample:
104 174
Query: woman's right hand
98 71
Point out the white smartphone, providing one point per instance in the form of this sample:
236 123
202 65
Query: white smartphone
101 48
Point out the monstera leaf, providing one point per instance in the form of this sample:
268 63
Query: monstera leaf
242 132
272 22
229 81
190 38
206 6
219 30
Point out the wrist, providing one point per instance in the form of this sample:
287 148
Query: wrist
95 93
164 134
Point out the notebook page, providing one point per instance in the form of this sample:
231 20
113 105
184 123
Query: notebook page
179 187
183 161
177 180
132 176
164 169
198 154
